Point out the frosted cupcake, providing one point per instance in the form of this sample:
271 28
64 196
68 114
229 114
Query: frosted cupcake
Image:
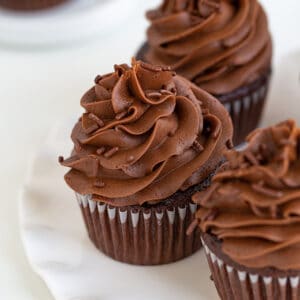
147 141
223 46
29 4
250 218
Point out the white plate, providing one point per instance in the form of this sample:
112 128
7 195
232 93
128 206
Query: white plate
56 243
60 252
73 21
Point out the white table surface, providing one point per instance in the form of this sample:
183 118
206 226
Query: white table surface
40 87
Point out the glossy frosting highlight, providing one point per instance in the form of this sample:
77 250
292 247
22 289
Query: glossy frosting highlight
145 134
253 205
220 45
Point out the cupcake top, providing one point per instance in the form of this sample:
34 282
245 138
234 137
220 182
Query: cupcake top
145 134
253 205
220 45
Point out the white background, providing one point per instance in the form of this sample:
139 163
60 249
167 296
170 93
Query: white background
39 87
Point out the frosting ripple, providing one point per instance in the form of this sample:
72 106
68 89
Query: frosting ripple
145 134
220 45
253 205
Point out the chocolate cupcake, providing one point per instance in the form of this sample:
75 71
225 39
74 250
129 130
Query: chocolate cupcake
223 46
148 139
250 218
29 4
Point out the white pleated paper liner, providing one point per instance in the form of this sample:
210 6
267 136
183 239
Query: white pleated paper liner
235 284
138 235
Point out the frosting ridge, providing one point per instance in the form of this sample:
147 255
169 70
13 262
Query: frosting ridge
218 44
253 205
145 134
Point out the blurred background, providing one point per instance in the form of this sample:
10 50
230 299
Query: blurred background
49 59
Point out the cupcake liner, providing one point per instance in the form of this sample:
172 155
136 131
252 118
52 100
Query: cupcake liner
246 107
138 235
236 284
245 104
29 4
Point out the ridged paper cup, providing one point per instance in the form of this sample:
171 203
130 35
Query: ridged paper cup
138 235
236 282
245 104
29 4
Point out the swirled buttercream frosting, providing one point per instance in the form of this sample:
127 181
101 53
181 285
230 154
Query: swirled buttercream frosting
220 45
253 205
145 134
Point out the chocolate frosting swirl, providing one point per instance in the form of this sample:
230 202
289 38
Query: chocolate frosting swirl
220 45
145 134
253 205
